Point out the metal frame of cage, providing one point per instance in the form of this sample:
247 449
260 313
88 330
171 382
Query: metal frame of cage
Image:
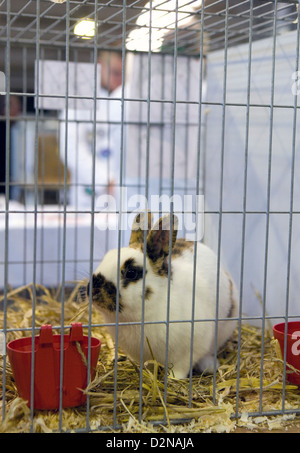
222 28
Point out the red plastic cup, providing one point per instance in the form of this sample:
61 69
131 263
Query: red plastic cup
292 349
47 352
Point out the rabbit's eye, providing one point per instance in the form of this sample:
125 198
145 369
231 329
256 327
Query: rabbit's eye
131 274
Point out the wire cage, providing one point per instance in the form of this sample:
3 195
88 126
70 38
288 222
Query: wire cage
113 108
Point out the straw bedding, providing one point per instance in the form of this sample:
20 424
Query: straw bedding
157 408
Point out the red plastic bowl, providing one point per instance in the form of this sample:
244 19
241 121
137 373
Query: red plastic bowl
47 352
292 349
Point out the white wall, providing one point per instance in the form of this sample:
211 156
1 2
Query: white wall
259 157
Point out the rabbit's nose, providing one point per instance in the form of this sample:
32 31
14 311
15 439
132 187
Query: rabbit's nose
97 282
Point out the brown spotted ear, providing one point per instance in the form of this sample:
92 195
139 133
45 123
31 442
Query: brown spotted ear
158 239
141 223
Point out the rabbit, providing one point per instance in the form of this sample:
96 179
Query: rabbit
158 288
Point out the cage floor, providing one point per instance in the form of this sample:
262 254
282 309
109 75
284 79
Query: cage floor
202 404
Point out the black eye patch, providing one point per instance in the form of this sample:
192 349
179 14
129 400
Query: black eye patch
130 272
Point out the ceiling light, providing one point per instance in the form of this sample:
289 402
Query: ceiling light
85 29
138 40
161 16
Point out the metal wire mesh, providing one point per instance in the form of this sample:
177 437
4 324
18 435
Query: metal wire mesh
188 118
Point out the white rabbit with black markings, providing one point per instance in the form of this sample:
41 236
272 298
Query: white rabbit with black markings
163 295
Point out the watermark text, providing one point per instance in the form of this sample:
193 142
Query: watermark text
189 210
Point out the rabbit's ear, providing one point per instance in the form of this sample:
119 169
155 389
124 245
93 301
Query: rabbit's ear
141 223
158 239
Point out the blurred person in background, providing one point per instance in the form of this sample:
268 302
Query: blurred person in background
15 109
107 140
